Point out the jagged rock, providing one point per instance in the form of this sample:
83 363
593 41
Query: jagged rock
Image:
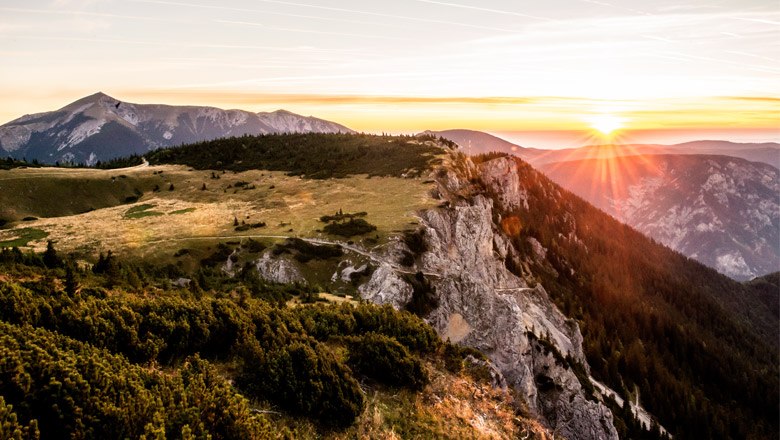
487 307
182 282
540 252
386 287
496 376
502 174
229 264
346 273
279 270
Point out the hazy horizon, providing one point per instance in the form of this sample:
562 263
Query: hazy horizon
554 139
574 139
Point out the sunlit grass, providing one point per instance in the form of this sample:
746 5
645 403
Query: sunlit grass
182 211
164 220
24 236
142 211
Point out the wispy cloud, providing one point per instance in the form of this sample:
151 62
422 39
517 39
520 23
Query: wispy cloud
319 99
766 99
16 27
308 31
303 79
495 62
88 14
333 9
757 20
692 57
617 7
751 55
75 3
264 12
573 103
484 9
195 45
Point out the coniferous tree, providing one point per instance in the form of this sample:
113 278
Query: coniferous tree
50 257
71 283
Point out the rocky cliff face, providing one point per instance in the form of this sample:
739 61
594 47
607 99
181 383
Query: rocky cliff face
482 304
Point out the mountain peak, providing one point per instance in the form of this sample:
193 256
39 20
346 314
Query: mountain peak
96 97
89 99
101 127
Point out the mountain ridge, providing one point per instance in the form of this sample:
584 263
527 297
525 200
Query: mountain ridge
99 127
477 142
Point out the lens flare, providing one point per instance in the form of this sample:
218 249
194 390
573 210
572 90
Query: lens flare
606 124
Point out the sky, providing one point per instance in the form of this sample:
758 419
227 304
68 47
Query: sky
536 72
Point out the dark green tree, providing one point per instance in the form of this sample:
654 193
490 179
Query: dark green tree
50 257
71 282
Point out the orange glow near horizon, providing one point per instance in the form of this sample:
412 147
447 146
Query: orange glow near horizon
617 167
645 121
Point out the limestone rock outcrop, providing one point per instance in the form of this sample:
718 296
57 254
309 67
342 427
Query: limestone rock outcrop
278 270
482 304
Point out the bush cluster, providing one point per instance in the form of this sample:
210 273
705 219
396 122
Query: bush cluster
76 360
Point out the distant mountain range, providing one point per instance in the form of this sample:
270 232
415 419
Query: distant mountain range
715 201
477 142
99 127
722 211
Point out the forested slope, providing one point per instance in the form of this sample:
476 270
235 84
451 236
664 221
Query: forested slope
112 352
695 347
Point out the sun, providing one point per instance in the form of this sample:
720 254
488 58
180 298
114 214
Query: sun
606 124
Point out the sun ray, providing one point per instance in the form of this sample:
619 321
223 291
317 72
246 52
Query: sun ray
606 123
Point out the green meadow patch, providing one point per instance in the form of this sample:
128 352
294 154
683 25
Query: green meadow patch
25 235
181 211
142 211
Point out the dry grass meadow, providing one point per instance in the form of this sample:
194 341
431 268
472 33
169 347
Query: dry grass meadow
89 210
